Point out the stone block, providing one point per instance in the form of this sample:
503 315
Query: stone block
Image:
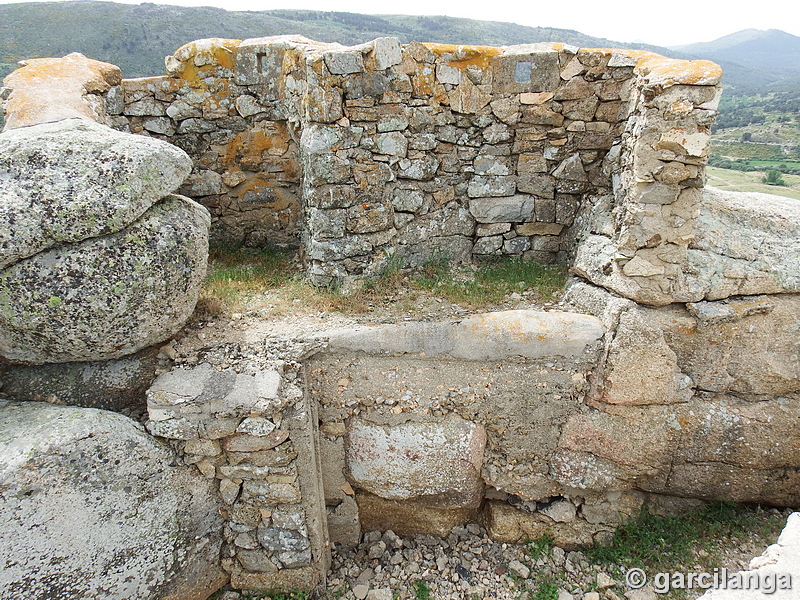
408 200
506 523
410 517
641 367
393 144
435 460
480 337
526 68
491 165
344 62
344 526
511 209
488 245
481 186
203 391
516 245
527 229
420 169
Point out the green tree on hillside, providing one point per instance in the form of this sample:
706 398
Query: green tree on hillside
773 177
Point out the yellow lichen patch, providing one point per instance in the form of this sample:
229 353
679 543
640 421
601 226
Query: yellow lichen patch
92 75
209 51
466 56
260 185
162 84
667 71
663 71
196 60
50 89
423 80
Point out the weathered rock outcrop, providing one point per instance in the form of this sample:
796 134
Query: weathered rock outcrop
110 296
68 181
732 244
99 262
45 90
697 400
93 507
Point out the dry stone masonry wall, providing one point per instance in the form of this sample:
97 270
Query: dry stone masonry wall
430 151
252 432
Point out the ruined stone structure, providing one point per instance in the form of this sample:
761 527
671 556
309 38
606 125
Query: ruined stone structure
671 377
433 151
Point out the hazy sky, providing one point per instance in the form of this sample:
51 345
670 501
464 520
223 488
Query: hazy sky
654 22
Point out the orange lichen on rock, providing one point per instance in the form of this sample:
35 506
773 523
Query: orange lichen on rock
248 149
658 70
196 60
466 56
45 90
666 72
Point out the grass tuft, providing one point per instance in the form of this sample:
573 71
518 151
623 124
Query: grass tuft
672 543
541 547
421 590
492 281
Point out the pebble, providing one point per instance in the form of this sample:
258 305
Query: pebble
518 568
604 581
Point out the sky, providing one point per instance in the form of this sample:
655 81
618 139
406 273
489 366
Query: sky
654 22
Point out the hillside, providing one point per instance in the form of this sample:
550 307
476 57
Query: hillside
752 59
138 37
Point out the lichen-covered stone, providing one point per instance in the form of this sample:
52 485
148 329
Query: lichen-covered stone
72 180
45 90
109 296
93 507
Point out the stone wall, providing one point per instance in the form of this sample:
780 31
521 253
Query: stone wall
430 151
558 422
253 432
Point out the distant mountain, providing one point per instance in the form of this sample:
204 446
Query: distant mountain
752 59
138 37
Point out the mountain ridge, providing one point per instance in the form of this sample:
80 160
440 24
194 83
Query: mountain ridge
138 37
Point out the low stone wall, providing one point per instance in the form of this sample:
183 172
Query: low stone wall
558 422
254 433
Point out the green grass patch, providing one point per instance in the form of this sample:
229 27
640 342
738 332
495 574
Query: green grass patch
541 547
754 151
546 589
673 543
492 281
421 590
234 272
237 275
775 163
741 181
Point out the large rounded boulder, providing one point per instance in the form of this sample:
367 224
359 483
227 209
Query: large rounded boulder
98 259
91 506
